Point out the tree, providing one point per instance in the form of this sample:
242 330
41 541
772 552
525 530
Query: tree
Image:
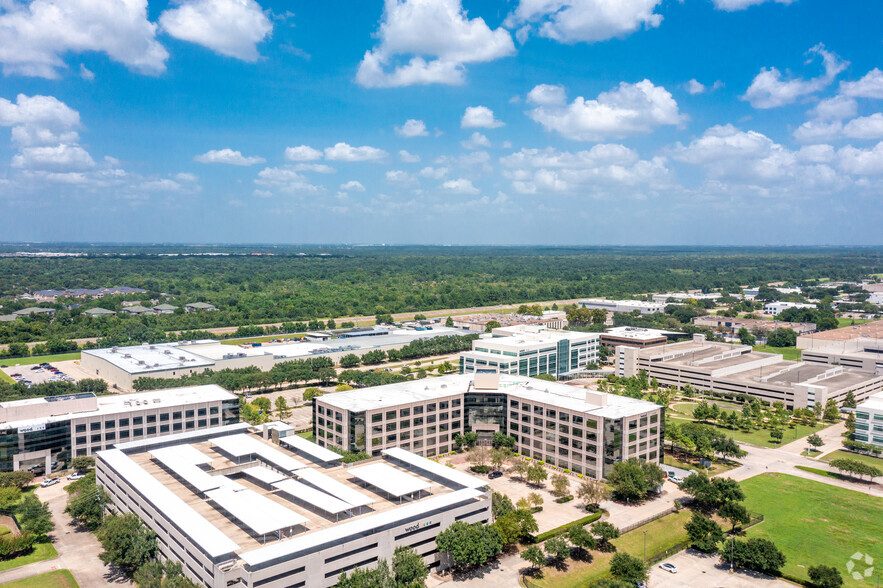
782 338
823 576
735 513
449 322
499 456
408 567
832 413
350 360
712 493
746 338
815 441
86 502
605 531
581 539
378 577
758 554
9 497
848 402
83 464
501 504
126 541
560 485
592 493
469 544
704 534
627 568
311 393
535 500
536 473
633 479
491 325
20 479
155 574
282 410
534 556
503 440
557 548
479 456
34 516
611 583
776 435
520 468
262 403
515 526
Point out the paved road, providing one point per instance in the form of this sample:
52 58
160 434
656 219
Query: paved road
77 550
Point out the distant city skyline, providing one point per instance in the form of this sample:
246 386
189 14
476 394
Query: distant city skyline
563 122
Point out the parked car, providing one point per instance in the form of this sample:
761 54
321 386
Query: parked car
49 482
76 476
676 480
494 475
671 568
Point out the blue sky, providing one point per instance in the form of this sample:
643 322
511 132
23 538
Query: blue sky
745 122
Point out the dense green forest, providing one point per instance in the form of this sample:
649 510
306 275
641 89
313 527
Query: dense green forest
299 284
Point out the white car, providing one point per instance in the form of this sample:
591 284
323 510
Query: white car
669 568
676 479
76 476
49 482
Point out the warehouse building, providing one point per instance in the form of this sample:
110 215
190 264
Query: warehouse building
732 368
680 297
731 326
243 507
121 366
622 305
56 428
857 346
529 350
477 323
582 430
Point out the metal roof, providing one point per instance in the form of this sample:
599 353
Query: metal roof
316 452
208 537
242 445
333 487
390 480
434 468
310 495
178 463
257 512
265 475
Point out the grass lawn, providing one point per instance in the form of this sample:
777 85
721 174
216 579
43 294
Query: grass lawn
6 378
308 435
42 551
846 322
814 523
56 579
40 359
790 353
810 452
4 530
717 466
866 459
686 408
761 437
662 534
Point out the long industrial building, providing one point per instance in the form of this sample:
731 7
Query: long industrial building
529 350
582 430
857 346
622 305
244 507
121 366
731 368
56 428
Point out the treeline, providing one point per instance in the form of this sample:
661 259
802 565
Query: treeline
372 281
19 391
250 378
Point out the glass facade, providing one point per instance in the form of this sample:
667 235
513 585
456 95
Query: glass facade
612 444
55 437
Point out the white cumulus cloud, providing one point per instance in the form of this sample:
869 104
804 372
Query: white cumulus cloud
476 141
58 156
345 152
412 128
479 117
35 36
626 110
575 21
460 186
407 157
228 27
440 38
352 186
770 90
861 161
870 86
229 157
285 180
865 127
734 5
302 153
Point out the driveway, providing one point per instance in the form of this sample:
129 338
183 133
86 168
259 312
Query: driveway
696 569
77 549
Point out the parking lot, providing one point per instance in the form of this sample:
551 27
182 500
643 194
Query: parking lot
696 569
35 374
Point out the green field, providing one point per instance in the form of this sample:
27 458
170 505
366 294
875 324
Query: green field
5 378
761 437
662 534
813 523
845 322
264 339
789 353
40 359
56 579
868 459
308 436
42 551
686 408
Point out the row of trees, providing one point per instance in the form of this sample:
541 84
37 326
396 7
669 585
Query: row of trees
406 570
17 391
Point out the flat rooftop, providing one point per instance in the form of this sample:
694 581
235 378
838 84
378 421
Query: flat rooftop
314 485
138 359
872 330
874 402
638 333
531 389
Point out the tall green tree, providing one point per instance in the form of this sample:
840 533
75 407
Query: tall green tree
470 544
703 533
627 568
127 542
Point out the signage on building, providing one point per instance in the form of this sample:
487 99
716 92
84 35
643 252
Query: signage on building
417 526
32 428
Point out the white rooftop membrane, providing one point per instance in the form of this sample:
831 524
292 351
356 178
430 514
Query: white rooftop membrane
436 469
317 498
260 514
315 451
242 445
333 487
390 480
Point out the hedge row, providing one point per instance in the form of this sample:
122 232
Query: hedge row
563 528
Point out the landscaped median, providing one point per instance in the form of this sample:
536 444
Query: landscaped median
56 579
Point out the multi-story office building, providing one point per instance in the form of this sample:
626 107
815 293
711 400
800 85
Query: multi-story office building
243 507
622 305
680 297
635 337
731 368
529 350
57 428
581 430
775 308
869 421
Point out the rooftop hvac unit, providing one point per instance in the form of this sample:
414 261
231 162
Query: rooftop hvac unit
156 400
167 351
141 362
181 357
127 355
113 349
